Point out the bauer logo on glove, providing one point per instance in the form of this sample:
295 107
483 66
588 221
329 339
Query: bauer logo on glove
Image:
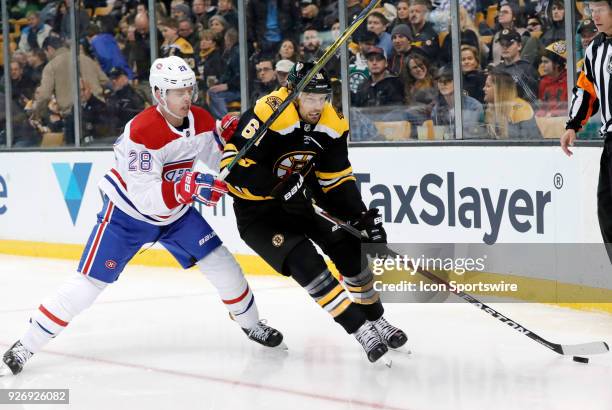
196 186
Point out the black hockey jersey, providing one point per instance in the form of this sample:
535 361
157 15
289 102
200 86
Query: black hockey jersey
319 152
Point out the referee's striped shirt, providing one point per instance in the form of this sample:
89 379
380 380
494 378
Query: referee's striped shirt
593 86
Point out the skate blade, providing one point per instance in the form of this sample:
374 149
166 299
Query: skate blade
402 349
388 362
281 346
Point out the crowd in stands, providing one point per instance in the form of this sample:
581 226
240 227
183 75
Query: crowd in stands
513 62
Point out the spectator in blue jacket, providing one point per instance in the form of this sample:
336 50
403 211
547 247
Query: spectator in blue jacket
106 51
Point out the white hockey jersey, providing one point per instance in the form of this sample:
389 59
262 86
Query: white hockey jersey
151 155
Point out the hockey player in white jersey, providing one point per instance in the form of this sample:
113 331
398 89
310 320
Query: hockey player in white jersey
147 198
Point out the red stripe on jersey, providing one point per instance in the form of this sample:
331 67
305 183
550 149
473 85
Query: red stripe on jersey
238 299
121 181
94 246
51 316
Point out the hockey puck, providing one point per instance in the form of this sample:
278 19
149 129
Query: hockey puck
580 359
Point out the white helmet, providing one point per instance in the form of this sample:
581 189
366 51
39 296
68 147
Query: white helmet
171 73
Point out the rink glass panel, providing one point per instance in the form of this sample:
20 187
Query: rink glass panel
408 121
50 123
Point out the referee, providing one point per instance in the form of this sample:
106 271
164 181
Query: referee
593 89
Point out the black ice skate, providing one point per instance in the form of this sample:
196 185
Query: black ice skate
371 342
265 335
391 335
14 359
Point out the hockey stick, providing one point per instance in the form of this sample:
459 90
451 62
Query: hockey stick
565 350
329 52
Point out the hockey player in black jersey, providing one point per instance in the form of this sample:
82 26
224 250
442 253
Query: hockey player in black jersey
304 156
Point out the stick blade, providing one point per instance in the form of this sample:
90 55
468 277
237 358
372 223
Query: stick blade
585 349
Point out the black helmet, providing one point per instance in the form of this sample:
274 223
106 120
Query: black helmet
320 83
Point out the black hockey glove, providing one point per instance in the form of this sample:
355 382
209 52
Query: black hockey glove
371 222
294 195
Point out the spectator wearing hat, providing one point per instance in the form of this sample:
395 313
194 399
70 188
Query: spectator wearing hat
377 24
179 11
311 16
382 88
282 69
105 50
507 116
400 36
227 10
443 112
174 45
123 102
271 21
553 85
266 80
556 28
509 18
33 35
424 35
523 72
586 33
473 77
358 65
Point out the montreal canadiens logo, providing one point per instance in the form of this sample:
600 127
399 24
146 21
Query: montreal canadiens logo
110 264
174 171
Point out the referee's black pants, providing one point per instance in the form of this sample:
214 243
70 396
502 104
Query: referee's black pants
604 195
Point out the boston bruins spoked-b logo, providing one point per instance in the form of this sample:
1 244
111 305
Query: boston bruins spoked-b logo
296 161
274 102
278 240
